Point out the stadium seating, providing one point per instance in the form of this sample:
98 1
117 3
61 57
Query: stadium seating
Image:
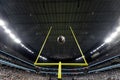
8 73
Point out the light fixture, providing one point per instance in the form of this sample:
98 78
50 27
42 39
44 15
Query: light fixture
17 40
97 48
2 23
78 58
118 29
12 36
7 31
4 27
22 44
26 48
113 35
108 40
43 58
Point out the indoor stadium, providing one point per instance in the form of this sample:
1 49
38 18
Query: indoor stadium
59 39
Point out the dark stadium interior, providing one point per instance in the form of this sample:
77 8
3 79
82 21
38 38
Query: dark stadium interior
91 20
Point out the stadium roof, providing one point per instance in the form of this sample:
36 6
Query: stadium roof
30 20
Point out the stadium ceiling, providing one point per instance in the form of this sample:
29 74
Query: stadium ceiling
91 20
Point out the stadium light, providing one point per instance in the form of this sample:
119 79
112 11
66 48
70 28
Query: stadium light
26 48
113 35
78 58
108 40
118 29
44 58
4 27
12 36
7 31
97 48
17 40
22 45
2 23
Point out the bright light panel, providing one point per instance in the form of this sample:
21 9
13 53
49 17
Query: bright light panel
26 48
2 23
7 31
113 35
17 40
108 40
78 58
118 29
12 36
43 58
4 27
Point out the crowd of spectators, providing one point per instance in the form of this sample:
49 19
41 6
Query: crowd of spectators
106 75
8 73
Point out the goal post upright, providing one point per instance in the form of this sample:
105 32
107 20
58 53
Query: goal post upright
60 64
